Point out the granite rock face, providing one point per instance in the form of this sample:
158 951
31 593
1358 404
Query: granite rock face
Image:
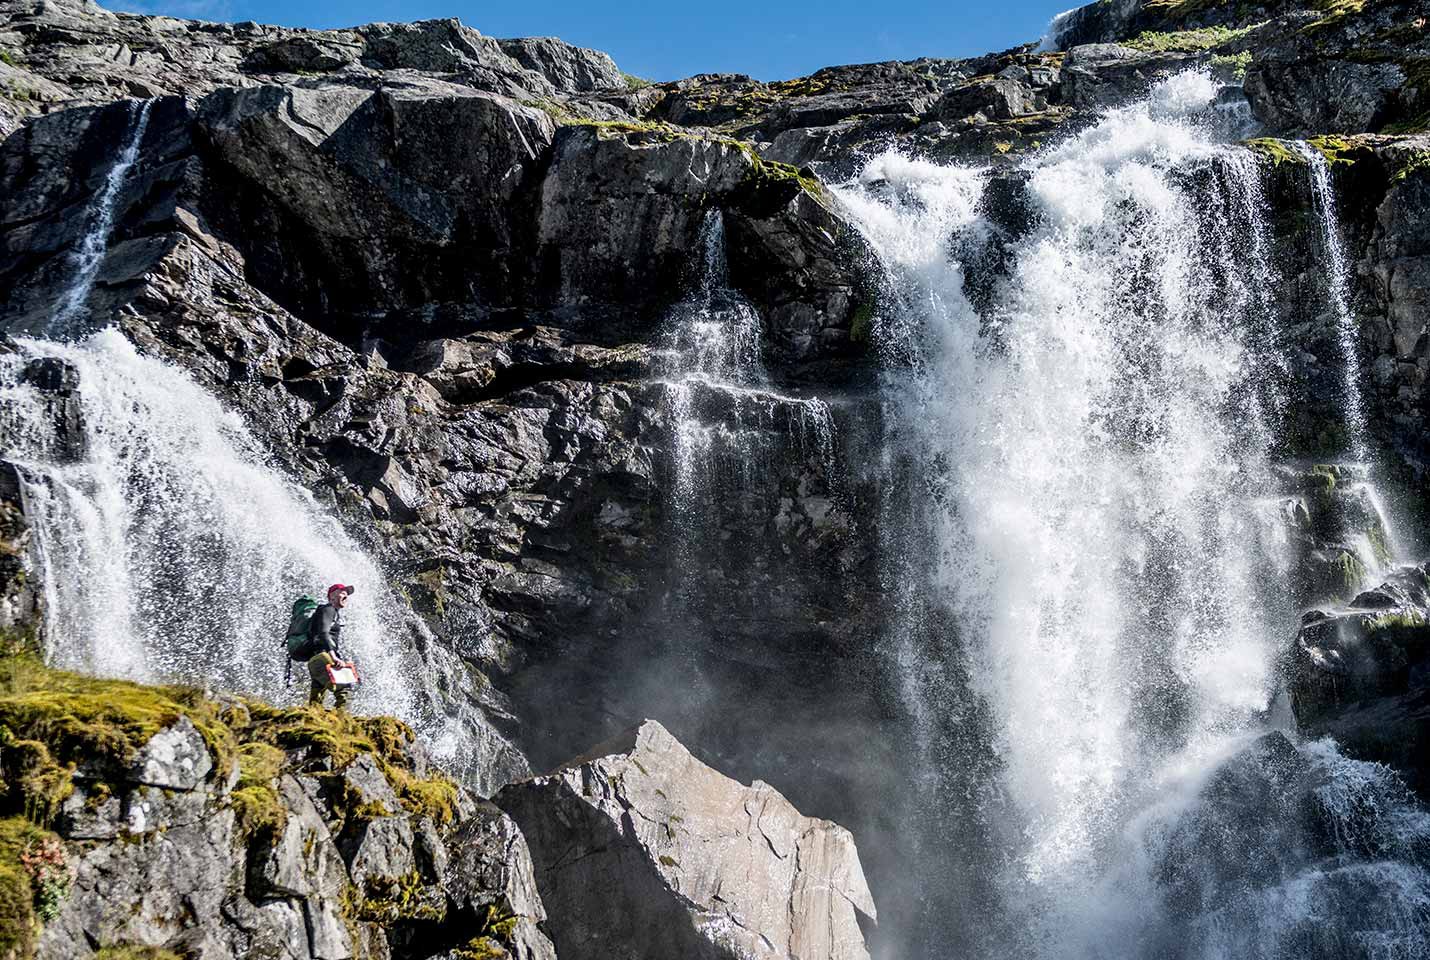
643 851
328 877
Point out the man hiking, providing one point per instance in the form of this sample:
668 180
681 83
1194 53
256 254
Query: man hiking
324 632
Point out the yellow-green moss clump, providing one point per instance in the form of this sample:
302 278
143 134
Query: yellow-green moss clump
339 738
254 800
1274 150
51 721
127 952
33 882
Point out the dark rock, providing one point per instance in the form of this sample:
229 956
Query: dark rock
1363 675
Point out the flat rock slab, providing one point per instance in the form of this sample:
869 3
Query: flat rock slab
642 851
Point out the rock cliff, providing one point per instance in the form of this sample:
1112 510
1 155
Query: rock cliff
438 272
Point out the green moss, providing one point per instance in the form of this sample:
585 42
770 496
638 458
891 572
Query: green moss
81 719
1186 41
389 901
1337 149
127 952
9 58
1349 572
340 737
1232 66
255 802
1413 167
634 83
1324 476
1274 150
1386 622
18 925
478 948
668 861
1334 11
33 883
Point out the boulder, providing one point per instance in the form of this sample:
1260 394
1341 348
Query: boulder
569 69
176 758
642 851
1362 674
490 868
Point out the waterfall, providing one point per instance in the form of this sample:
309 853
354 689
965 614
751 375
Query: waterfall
173 547
96 239
1338 293
1092 383
170 545
730 424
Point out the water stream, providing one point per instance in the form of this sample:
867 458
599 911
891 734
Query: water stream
1099 421
170 544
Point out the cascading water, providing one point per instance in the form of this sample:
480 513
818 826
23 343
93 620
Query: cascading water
92 248
729 422
170 546
1097 423
1338 287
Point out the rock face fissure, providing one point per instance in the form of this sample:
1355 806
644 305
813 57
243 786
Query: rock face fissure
1001 455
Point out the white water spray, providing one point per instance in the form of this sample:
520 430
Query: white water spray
726 415
173 548
1103 427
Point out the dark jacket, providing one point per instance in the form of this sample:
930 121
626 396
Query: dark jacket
325 629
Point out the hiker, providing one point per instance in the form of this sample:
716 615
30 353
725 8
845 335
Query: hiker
324 631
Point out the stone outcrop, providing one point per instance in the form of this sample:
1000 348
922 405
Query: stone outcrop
643 851
229 829
1362 674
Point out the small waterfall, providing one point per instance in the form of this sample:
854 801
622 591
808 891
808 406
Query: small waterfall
729 423
96 240
172 548
1338 292
1096 424
170 545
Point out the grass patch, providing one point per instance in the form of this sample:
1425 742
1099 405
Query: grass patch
255 802
634 83
1187 41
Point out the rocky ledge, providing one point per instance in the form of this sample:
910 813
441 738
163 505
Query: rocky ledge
166 822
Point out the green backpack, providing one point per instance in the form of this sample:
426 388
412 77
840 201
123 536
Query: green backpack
299 643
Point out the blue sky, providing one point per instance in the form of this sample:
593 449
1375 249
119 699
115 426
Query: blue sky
665 41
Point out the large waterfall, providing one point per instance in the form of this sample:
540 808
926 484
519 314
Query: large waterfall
1096 396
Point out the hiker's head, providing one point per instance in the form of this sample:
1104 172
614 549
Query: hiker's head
338 594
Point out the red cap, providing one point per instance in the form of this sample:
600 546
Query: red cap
341 586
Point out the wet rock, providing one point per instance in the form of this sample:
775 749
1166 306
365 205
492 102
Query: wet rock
176 758
643 851
1362 675
1254 822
